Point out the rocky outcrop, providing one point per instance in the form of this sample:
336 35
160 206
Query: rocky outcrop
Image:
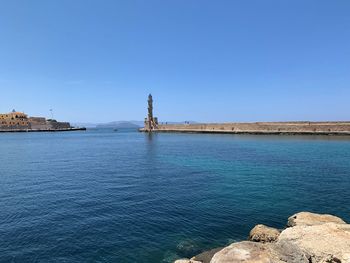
262 233
321 241
249 252
285 251
203 257
187 261
206 256
253 252
311 219
310 238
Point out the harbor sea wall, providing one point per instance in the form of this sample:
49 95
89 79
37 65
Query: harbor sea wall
42 130
302 127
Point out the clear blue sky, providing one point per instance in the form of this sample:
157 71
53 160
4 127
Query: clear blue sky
215 61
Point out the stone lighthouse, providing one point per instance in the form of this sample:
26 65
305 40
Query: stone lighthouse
151 122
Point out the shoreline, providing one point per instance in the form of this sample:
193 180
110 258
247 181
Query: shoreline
258 128
44 130
250 132
307 238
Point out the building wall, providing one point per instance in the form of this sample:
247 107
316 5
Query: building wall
39 123
55 125
20 121
154 123
14 120
261 127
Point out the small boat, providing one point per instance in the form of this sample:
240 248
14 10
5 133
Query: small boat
115 130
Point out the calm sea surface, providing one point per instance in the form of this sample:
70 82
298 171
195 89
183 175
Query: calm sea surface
104 196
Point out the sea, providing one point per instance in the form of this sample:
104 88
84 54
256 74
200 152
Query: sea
124 196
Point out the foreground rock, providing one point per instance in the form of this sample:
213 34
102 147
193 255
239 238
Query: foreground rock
206 256
245 251
187 261
311 238
262 233
253 252
311 219
321 241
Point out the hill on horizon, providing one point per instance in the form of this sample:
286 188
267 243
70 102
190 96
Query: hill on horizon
120 124
112 124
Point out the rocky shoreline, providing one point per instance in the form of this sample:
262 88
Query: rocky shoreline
308 238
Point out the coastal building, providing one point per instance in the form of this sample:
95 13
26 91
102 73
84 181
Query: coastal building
14 119
19 121
39 123
151 123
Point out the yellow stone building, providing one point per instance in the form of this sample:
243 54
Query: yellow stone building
14 119
19 121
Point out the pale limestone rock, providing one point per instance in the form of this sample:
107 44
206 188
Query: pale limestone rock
330 259
253 252
246 251
346 257
286 251
321 241
309 219
262 233
206 256
312 238
186 261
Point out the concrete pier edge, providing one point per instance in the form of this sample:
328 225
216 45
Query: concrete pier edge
259 128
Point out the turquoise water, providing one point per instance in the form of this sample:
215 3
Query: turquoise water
104 196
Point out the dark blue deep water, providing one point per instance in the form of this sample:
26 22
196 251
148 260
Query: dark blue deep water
104 196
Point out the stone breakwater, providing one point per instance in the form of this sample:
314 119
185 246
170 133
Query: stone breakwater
43 130
308 238
318 128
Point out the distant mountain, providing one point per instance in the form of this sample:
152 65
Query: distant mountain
84 124
138 123
120 125
113 124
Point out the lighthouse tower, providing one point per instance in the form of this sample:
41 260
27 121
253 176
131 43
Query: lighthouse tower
151 122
